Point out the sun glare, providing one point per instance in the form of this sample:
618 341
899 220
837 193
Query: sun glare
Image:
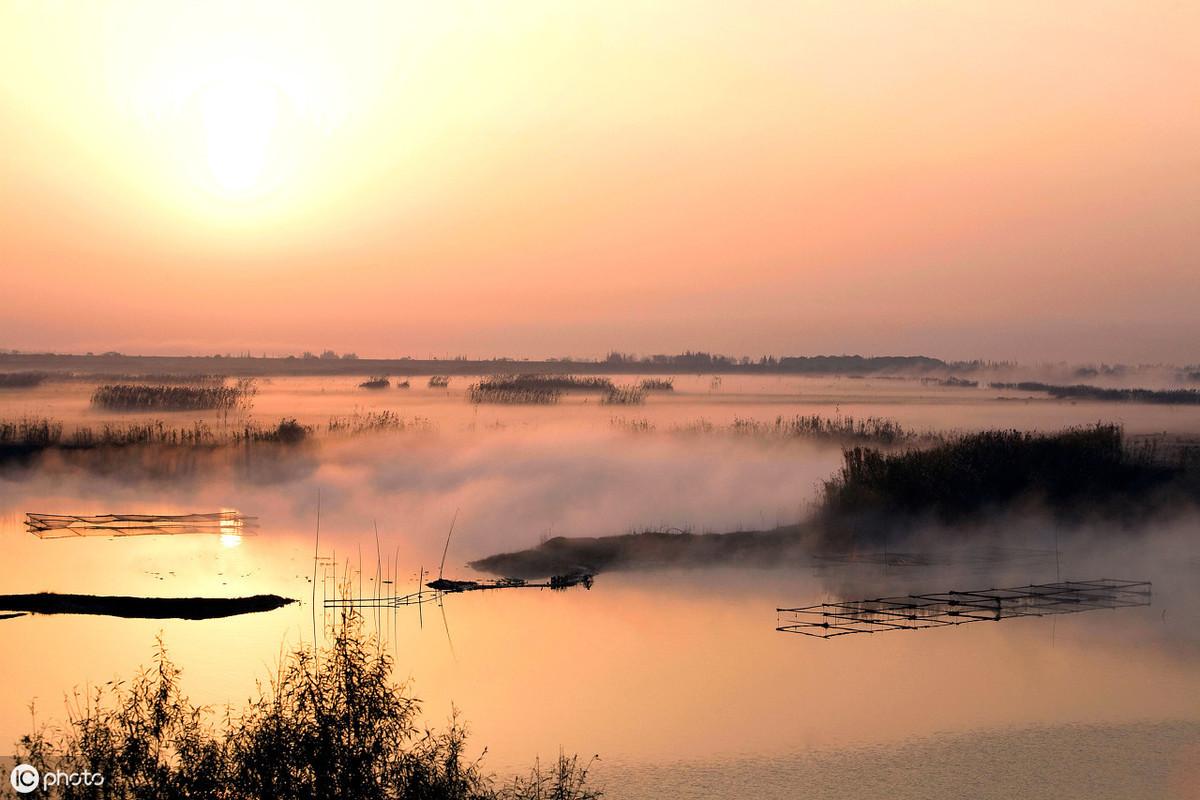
240 119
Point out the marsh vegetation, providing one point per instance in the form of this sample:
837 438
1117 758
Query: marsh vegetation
1102 394
151 397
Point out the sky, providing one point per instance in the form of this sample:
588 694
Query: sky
1010 180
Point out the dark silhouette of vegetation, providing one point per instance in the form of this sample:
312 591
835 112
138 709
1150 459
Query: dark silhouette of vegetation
439 381
657 384
21 380
485 393
288 431
541 382
145 397
1069 472
331 724
378 382
26 437
1085 392
953 382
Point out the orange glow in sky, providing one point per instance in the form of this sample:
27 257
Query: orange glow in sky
962 179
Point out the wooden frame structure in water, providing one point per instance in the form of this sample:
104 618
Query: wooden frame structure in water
935 610
61 526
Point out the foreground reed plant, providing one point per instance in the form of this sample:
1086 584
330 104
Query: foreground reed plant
331 723
657 384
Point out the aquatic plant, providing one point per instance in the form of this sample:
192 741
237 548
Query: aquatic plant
657 384
288 431
377 382
138 397
543 382
487 393
376 421
439 381
331 723
1071 470
624 396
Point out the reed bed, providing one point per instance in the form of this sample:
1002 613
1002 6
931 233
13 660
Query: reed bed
1099 393
21 380
840 429
439 381
486 393
376 422
378 382
146 397
879 430
624 396
657 384
1078 468
541 381
25 437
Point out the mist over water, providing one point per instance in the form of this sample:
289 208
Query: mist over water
662 672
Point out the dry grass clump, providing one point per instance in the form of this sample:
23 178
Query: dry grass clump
330 723
145 397
657 384
624 396
21 380
439 381
376 382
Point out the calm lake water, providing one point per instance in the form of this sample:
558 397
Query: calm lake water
677 679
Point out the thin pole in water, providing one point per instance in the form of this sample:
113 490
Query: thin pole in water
446 549
316 551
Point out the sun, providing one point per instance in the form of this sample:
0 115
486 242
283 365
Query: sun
240 119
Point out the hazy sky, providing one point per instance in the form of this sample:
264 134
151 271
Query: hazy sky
998 179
